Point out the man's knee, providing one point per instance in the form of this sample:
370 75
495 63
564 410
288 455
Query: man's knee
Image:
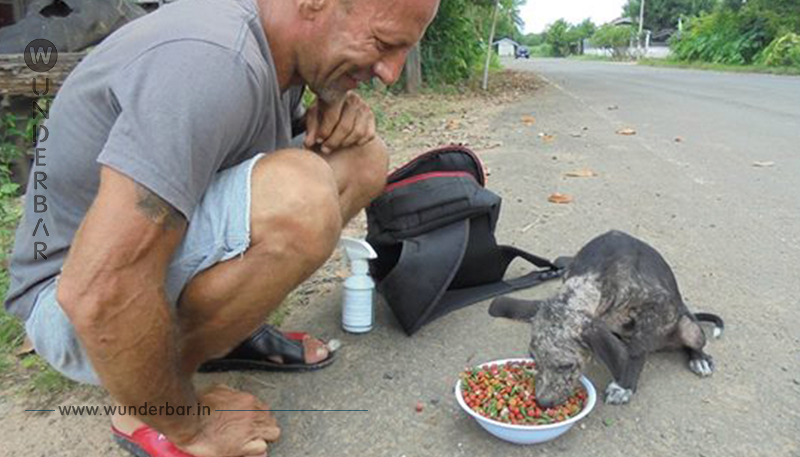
295 207
371 173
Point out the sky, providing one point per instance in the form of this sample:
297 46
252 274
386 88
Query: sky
538 13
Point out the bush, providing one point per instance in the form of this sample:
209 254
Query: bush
783 51
725 37
542 50
558 37
616 39
450 48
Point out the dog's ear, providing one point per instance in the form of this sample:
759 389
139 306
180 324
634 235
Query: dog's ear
514 308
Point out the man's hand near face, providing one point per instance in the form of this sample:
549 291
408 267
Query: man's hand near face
346 123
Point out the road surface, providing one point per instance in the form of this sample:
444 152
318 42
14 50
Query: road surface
711 179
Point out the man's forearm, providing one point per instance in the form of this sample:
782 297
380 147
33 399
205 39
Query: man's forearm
134 351
111 288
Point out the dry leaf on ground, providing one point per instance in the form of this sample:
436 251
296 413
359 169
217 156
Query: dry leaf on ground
626 132
25 348
581 174
528 120
452 124
559 198
546 137
763 164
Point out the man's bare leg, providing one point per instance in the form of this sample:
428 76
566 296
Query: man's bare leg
299 204
360 175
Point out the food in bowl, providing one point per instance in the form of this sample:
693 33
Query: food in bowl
506 393
525 433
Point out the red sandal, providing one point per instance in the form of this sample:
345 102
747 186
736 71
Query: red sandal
147 442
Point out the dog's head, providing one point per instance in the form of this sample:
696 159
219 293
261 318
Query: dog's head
556 345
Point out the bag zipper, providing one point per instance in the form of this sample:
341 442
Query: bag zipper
424 176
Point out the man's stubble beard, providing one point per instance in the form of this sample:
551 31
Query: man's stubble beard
329 95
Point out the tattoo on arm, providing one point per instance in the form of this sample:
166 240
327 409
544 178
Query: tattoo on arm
157 209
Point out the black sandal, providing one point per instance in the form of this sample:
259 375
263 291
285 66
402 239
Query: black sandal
267 341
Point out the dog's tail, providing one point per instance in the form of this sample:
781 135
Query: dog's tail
719 324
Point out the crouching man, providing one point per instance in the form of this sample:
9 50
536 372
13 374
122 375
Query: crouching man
179 216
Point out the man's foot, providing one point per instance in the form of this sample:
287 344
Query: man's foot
126 423
271 350
314 350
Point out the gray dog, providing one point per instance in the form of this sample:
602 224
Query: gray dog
619 301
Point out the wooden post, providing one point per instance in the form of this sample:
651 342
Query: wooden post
17 77
413 71
641 25
485 84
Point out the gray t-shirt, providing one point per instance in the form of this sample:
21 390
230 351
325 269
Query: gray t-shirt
168 100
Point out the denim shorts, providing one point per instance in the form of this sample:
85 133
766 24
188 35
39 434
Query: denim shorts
219 230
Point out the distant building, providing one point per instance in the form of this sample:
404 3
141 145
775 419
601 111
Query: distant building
506 47
652 45
622 21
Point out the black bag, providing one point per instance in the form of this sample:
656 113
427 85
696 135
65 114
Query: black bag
433 231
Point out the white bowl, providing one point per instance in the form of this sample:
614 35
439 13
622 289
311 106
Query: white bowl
528 434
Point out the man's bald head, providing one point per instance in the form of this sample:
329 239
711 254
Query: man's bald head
348 41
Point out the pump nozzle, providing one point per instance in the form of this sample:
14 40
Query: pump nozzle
357 316
358 252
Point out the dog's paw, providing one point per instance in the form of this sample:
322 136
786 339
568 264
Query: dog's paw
702 366
617 395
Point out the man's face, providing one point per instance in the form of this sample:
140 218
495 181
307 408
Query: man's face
368 38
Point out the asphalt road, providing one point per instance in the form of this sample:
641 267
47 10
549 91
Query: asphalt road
730 230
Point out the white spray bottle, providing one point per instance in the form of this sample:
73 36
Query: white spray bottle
357 308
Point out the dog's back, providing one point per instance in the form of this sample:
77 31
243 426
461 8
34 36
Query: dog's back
639 293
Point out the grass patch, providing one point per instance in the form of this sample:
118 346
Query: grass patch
595 58
11 330
43 379
277 317
793 71
30 374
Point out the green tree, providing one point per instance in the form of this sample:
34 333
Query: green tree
455 44
533 39
580 32
781 16
452 45
614 38
509 22
664 14
558 37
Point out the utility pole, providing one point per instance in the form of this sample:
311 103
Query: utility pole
641 24
485 84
